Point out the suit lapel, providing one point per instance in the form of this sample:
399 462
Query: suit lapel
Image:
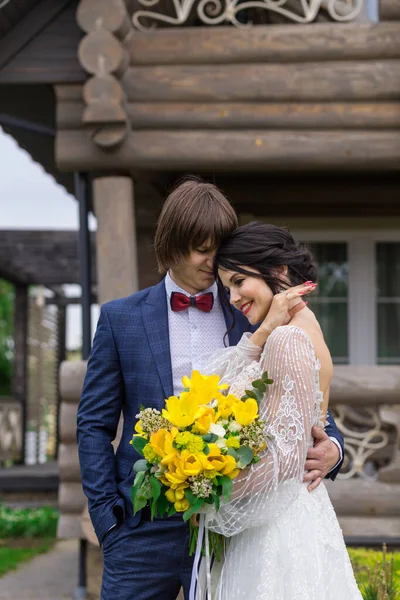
155 318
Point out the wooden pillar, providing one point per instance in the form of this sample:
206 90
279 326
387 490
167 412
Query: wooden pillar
61 357
19 381
116 239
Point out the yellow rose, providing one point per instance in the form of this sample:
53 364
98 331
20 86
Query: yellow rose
175 475
224 464
139 430
204 387
182 411
246 412
202 424
192 464
226 404
176 494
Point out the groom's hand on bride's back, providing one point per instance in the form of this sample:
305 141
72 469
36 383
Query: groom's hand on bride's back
320 459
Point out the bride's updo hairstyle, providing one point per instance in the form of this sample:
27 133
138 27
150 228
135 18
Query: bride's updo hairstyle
266 248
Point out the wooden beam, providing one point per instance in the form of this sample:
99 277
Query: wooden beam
30 26
240 115
389 10
309 82
266 44
245 151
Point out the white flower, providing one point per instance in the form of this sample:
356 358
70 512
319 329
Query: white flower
221 443
234 427
217 430
213 403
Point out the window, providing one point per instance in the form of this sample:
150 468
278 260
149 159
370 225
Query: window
388 303
358 298
330 301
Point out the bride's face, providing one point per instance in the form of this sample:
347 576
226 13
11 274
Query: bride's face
250 295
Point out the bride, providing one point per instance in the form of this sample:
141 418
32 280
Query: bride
284 542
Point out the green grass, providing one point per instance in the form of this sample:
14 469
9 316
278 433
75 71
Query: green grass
12 554
28 522
377 573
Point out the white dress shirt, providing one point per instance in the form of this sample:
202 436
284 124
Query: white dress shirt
193 334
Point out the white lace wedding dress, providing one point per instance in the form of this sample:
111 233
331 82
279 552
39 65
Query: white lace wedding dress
285 543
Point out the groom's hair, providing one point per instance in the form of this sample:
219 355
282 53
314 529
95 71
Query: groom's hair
194 213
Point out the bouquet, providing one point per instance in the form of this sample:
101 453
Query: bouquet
194 449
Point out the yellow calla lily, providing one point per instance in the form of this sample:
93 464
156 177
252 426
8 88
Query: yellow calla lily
246 412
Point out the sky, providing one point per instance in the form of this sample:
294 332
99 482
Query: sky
32 199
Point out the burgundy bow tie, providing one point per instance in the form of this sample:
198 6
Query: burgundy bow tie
181 302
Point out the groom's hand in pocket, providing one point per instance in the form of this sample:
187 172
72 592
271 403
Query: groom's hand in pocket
320 459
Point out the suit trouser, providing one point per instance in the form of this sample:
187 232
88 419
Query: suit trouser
147 562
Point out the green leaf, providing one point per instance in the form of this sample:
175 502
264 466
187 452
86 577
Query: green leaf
210 438
171 510
190 497
259 394
256 459
156 487
227 486
216 499
141 465
266 379
193 509
137 483
139 443
233 452
163 503
246 455
251 394
257 383
206 449
138 503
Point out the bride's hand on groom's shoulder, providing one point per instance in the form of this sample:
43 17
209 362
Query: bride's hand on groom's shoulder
283 308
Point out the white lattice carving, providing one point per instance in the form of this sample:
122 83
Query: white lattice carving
216 12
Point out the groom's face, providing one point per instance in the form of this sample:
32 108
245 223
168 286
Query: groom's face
194 273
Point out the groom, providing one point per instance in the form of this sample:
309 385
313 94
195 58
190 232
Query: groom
143 346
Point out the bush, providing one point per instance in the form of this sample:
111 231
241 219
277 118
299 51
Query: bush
28 522
377 574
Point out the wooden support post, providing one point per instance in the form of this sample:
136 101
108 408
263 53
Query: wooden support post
116 241
19 382
61 356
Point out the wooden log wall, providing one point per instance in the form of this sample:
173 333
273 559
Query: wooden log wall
320 97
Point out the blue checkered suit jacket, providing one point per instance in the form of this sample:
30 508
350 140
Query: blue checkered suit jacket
130 365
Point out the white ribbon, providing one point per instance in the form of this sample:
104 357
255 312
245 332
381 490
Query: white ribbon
195 581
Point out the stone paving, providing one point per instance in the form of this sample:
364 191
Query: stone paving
53 576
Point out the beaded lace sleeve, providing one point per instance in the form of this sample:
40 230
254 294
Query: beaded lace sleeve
290 409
